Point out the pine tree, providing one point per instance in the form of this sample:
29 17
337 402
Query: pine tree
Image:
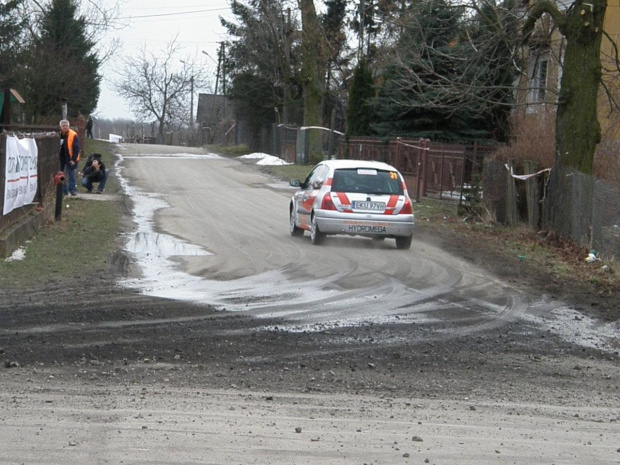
359 111
64 66
11 27
409 102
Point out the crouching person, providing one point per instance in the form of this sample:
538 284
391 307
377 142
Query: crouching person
94 172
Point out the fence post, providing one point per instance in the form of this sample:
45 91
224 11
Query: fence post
422 166
474 161
332 123
463 175
443 151
511 197
532 193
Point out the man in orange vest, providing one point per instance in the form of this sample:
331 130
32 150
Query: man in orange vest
69 155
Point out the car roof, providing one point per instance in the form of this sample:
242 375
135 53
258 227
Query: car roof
350 164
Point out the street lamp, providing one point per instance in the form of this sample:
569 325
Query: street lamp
213 59
217 76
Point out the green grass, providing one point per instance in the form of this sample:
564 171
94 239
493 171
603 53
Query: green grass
431 209
288 172
79 244
228 150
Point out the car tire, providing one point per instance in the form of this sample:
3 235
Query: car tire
316 236
404 242
295 231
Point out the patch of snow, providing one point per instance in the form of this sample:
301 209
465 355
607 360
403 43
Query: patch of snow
577 328
19 254
253 156
272 161
264 159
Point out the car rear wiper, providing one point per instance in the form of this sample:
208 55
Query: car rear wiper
379 193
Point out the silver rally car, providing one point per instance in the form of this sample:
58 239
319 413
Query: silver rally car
354 197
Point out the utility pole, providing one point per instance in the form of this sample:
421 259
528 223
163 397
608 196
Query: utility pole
191 105
217 73
223 55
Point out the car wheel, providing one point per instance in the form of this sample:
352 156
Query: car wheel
316 236
295 231
403 243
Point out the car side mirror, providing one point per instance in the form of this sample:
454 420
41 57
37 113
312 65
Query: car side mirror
295 183
317 184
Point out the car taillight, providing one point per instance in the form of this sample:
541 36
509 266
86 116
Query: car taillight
327 203
407 208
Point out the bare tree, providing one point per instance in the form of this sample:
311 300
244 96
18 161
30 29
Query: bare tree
157 85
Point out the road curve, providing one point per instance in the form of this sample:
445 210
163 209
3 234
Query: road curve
238 218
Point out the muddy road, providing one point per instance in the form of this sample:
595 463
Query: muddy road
223 339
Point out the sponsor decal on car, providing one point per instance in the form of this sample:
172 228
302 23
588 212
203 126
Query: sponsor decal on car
365 227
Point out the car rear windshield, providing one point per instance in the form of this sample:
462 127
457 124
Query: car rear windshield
367 181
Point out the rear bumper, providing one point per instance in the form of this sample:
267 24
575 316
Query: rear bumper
330 222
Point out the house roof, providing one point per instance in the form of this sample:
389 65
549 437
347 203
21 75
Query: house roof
15 97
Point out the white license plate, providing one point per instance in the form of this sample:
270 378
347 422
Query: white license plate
372 206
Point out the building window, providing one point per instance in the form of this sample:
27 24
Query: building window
538 79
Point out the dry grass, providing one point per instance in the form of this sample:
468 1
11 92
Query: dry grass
522 255
607 161
533 139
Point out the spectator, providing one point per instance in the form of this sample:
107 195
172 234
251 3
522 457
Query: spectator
69 156
89 127
94 172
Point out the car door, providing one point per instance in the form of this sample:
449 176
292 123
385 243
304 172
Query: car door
308 193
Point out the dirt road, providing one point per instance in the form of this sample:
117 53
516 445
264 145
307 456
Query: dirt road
225 340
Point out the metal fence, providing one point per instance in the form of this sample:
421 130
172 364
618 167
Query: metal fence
594 213
285 141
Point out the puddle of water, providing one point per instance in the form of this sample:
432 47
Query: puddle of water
162 245
145 243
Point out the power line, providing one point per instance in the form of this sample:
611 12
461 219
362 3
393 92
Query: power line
174 14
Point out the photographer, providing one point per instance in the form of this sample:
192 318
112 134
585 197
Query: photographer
94 172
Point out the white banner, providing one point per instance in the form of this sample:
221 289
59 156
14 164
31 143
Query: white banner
20 174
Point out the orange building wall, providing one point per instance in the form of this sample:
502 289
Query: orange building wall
610 123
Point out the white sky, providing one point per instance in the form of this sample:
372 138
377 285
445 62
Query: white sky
154 23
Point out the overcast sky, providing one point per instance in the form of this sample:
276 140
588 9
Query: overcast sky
154 23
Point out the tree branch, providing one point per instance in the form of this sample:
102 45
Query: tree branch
541 7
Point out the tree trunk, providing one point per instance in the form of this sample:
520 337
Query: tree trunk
311 74
577 127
